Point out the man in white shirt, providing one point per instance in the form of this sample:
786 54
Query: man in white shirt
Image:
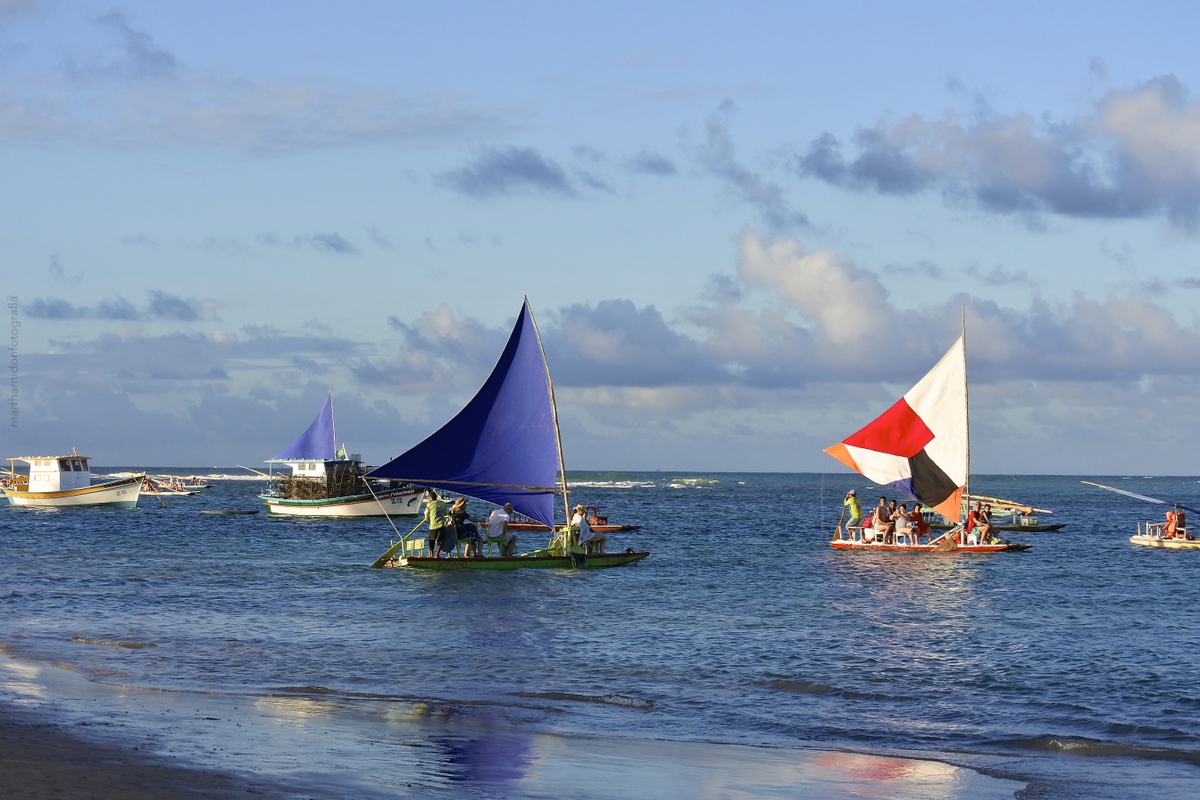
497 530
588 540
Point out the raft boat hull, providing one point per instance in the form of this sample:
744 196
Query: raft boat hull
592 561
1006 547
1167 544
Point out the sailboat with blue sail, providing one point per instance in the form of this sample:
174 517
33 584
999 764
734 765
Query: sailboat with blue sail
503 447
323 481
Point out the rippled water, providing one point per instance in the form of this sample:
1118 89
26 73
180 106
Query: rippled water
1071 666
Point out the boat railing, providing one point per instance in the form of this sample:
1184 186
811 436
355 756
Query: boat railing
1156 530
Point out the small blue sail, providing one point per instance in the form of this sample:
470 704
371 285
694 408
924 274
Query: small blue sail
502 447
316 443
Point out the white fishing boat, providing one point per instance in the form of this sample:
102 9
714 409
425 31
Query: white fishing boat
323 481
65 481
1170 534
920 448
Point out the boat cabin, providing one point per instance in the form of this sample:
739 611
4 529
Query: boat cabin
314 479
55 473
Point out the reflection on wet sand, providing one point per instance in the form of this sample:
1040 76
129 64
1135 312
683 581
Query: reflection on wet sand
338 746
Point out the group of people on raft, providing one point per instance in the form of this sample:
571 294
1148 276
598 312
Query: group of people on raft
890 523
448 528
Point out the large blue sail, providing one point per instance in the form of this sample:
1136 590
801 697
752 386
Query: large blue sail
502 446
316 443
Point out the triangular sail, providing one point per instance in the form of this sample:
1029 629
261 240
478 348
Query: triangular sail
503 446
918 447
316 443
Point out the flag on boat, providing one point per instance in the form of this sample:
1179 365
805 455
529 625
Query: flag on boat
918 447
316 443
503 446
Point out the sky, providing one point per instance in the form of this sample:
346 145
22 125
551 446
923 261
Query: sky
745 229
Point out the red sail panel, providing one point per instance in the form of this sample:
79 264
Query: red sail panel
897 431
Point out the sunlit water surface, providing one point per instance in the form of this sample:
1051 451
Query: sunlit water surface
1071 666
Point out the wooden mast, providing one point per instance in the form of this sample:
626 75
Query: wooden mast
967 404
554 415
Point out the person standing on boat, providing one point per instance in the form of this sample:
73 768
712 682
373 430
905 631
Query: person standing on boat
435 516
854 508
497 525
587 539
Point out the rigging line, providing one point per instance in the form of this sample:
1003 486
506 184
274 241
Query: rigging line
384 510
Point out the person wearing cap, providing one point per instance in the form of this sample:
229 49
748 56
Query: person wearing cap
588 540
854 508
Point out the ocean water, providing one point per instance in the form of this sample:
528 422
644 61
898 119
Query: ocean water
1071 667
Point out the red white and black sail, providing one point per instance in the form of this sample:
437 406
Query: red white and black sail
919 446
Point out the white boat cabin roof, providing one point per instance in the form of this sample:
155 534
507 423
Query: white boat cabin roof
50 461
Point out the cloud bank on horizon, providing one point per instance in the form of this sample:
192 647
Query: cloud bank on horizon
716 291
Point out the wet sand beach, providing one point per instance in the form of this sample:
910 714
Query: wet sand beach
63 736
39 759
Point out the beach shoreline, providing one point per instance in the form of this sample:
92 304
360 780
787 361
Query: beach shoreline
64 736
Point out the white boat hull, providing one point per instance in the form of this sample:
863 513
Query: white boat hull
113 494
1169 544
400 503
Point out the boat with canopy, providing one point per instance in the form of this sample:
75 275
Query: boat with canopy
503 447
920 448
1170 534
325 482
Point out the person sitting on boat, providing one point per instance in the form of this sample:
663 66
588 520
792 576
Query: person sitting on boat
902 524
435 516
588 540
1171 527
882 521
497 530
920 524
465 528
854 508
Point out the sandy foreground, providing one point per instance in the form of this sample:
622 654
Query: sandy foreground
65 737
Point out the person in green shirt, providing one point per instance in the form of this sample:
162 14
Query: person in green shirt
854 508
435 515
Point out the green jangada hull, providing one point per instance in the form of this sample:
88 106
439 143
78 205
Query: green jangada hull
531 560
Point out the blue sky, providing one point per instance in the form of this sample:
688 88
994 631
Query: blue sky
744 229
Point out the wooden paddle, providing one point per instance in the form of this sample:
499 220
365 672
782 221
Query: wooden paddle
944 545
383 559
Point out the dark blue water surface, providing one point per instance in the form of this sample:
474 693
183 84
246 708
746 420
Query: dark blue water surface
1072 666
